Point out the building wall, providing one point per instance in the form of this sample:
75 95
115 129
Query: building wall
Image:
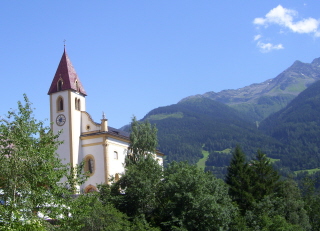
117 151
64 148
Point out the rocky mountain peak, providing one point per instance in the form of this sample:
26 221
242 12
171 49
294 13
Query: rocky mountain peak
316 62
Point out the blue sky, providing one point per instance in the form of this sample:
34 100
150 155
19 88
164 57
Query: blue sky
134 56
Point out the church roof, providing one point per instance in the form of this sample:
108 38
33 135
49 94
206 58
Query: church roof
68 75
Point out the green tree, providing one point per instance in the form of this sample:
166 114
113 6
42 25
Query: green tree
283 210
239 181
88 213
143 140
135 192
30 170
292 206
191 199
311 197
264 178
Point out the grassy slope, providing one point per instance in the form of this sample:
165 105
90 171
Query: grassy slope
310 171
202 162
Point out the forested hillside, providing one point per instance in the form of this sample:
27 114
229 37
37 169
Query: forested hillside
187 128
298 126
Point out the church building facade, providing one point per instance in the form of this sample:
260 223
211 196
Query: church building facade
101 147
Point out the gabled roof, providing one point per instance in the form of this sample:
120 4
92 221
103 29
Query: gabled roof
67 73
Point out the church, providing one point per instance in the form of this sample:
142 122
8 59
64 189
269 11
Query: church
101 147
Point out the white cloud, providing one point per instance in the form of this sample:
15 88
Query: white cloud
257 37
267 47
285 18
259 21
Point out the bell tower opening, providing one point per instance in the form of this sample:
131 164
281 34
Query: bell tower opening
60 85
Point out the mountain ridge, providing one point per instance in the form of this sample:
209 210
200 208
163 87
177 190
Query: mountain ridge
259 100
269 86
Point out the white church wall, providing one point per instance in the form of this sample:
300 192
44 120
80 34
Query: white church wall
75 116
117 152
87 124
64 148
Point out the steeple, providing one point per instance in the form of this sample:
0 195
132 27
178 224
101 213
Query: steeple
66 77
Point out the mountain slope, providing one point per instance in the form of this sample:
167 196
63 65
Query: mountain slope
298 125
258 101
184 129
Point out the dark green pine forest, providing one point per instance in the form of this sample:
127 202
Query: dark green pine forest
298 127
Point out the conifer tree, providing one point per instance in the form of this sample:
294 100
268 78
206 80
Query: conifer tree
265 178
238 179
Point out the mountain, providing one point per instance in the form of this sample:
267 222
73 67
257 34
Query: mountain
257 101
188 127
288 129
298 126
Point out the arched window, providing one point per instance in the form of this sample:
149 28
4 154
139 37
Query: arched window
115 155
60 103
59 85
77 85
89 165
76 103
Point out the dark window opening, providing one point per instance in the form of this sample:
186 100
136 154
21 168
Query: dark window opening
60 84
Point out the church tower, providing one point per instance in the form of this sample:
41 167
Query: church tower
102 148
67 100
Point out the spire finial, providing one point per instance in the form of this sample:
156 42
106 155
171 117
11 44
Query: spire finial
103 116
64 43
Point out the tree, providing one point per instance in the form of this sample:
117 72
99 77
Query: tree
143 140
238 179
191 199
292 204
30 169
283 210
311 196
90 213
265 179
135 192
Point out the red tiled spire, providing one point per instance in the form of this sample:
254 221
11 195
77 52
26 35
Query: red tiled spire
67 73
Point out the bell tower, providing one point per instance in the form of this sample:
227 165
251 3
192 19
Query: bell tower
67 100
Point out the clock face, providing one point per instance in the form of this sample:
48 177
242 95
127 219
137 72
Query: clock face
61 119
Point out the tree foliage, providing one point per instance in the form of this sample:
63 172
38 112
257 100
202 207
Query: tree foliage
263 176
136 191
88 213
191 199
143 140
239 181
30 169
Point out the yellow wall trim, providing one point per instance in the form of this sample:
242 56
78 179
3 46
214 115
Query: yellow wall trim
70 129
106 135
93 144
